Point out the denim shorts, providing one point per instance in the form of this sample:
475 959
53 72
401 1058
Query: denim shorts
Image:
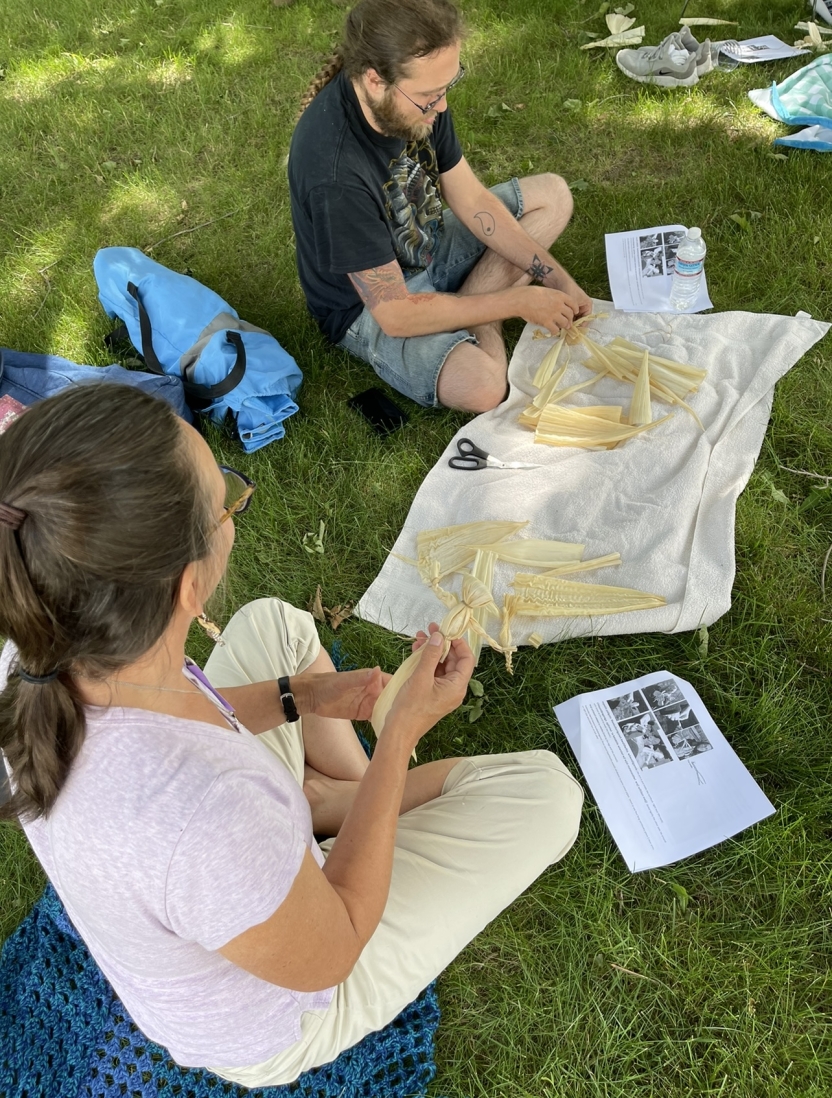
411 365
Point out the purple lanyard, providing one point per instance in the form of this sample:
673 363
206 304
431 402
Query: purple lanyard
195 673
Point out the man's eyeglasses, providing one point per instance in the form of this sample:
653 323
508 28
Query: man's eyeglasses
238 492
439 98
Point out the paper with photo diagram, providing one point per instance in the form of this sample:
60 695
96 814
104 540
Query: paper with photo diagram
640 269
666 780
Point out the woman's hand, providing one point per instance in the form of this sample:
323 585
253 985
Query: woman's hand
434 689
350 695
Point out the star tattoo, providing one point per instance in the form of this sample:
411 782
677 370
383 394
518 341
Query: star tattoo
538 269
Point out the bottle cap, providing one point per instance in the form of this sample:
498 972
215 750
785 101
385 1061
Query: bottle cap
694 234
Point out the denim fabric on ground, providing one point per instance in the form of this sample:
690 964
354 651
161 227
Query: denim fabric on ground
411 366
63 1031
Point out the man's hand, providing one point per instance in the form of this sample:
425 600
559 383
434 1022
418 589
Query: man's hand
347 694
582 300
552 309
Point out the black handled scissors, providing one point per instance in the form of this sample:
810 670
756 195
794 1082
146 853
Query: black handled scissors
471 457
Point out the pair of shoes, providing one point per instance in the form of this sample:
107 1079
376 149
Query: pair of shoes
823 8
679 60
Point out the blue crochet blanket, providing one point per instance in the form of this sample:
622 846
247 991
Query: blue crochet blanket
65 1034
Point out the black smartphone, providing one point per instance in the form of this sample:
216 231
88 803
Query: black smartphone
379 410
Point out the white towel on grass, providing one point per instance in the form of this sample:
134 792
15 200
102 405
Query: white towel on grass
664 500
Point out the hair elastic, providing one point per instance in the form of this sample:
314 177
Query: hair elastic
38 680
11 516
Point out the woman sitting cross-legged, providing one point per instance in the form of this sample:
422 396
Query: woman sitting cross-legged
176 823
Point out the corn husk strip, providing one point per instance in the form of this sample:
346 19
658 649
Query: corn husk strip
539 597
562 394
624 366
630 37
640 409
593 433
705 21
530 416
548 363
385 700
535 640
483 570
506 643
536 552
570 567
619 23
542 397
681 369
805 27
450 549
609 360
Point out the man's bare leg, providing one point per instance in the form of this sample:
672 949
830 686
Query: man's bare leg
474 378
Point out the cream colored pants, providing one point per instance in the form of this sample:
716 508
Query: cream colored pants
459 860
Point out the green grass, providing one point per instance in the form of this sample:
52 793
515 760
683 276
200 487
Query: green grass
127 122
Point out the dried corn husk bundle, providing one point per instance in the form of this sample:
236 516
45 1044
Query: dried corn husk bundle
451 549
813 40
553 597
632 37
459 620
587 428
461 610
669 381
569 567
618 23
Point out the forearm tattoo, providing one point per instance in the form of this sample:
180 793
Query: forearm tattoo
487 222
379 284
538 269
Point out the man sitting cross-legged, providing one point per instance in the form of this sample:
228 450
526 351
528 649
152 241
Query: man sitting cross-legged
417 291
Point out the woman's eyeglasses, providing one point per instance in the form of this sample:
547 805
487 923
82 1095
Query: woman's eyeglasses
439 98
238 492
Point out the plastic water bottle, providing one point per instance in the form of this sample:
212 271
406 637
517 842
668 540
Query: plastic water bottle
687 272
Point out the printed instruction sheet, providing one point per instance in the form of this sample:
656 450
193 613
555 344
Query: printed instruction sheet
640 269
666 780
768 47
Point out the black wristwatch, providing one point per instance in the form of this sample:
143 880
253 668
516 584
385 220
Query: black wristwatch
287 699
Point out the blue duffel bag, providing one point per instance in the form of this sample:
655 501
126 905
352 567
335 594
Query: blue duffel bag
28 378
181 327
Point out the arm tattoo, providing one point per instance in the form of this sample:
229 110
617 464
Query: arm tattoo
538 269
379 284
487 222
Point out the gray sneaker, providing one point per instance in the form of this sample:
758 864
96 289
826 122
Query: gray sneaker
703 52
668 65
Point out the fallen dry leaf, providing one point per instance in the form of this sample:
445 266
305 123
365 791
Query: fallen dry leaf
339 614
316 608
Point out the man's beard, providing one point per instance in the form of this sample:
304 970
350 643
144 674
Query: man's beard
391 121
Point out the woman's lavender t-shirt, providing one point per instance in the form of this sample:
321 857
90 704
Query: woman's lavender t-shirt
169 838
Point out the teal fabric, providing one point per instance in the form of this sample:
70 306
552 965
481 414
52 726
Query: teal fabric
805 97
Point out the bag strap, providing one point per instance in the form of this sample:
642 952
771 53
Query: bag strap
199 396
148 354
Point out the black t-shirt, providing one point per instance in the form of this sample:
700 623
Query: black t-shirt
360 200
